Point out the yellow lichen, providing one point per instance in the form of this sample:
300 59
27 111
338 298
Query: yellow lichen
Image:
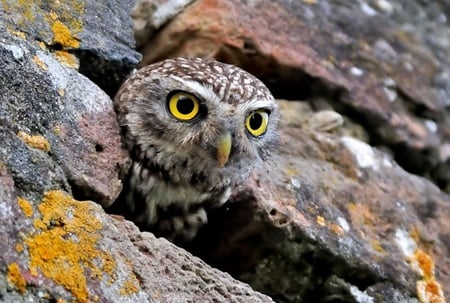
67 59
336 229
63 36
376 244
26 207
15 278
19 34
42 45
38 142
425 263
64 246
19 248
430 291
40 63
130 287
321 221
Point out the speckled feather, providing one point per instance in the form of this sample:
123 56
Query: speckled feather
175 178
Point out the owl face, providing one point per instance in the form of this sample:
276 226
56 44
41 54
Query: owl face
195 128
218 113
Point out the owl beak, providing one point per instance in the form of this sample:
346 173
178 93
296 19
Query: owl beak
223 148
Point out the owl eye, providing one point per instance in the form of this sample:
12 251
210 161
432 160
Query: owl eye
256 122
183 106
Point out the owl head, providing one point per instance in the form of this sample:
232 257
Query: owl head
220 115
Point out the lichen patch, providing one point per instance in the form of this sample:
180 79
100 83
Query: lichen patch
15 278
40 63
428 289
26 206
64 247
36 141
63 36
67 59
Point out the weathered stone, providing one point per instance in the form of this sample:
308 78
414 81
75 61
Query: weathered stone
386 68
58 128
58 135
60 248
329 219
98 33
149 15
332 217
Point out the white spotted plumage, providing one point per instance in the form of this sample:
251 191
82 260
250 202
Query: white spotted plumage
176 175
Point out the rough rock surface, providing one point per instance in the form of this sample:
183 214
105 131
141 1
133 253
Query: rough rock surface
58 128
59 139
98 33
62 249
330 219
383 63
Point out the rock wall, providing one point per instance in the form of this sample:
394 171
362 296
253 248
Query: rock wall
329 219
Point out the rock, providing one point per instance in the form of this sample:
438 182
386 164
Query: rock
149 15
63 249
59 140
385 65
59 129
333 219
85 29
329 219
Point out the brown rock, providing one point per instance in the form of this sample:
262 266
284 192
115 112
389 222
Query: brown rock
332 217
386 67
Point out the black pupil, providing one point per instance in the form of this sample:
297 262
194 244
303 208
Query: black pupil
185 105
256 121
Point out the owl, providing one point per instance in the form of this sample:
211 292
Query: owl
195 129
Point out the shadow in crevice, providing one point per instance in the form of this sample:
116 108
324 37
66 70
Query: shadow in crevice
245 243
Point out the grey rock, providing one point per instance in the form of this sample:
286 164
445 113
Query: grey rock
99 33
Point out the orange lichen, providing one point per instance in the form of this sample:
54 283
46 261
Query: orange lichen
361 214
378 247
63 36
321 221
40 63
430 292
26 207
130 287
38 142
64 247
425 263
67 59
336 229
15 278
19 248
428 289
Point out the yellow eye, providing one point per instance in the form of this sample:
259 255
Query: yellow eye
256 122
183 106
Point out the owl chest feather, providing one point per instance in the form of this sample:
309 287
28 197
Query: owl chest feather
157 192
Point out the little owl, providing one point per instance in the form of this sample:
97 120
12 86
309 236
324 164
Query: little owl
195 129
